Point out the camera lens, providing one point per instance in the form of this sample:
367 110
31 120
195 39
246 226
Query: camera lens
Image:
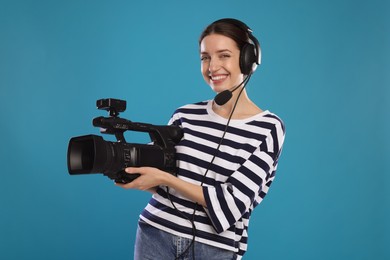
92 154
86 154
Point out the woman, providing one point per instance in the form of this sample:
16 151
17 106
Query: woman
226 160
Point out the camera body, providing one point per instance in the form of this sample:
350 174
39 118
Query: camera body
92 154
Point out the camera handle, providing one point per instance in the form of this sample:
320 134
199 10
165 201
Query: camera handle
161 135
120 137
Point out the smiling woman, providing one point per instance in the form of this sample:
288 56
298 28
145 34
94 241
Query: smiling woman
220 62
226 160
325 71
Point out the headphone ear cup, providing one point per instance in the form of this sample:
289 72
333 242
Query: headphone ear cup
247 59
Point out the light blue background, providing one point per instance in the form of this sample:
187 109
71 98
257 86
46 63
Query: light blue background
325 71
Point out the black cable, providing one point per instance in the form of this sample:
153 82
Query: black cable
192 220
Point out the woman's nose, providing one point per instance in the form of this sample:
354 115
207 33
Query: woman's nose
214 65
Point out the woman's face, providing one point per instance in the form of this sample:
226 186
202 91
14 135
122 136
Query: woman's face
220 62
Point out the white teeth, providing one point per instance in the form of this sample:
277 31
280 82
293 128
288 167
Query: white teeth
219 77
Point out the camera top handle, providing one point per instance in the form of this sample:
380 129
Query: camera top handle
160 135
165 136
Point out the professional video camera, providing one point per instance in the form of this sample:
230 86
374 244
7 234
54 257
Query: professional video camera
91 154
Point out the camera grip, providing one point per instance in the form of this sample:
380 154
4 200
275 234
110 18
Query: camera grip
123 177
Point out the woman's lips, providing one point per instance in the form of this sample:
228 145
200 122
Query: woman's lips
218 79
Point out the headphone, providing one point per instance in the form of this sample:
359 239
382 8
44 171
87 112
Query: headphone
250 53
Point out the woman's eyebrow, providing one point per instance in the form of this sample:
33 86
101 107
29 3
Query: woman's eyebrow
219 51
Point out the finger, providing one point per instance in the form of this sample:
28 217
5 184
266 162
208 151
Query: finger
124 185
133 170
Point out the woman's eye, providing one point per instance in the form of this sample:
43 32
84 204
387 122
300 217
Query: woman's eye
225 55
204 58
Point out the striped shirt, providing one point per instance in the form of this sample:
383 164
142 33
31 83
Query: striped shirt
235 183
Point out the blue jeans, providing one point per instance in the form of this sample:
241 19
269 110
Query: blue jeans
154 244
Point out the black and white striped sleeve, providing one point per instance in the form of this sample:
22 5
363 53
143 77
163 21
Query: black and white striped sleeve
227 202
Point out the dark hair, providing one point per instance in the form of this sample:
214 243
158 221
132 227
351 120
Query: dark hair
227 29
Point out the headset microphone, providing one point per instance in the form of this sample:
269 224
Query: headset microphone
223 97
